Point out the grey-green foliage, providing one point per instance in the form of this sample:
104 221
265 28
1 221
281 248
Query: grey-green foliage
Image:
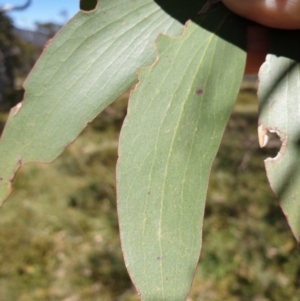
169 139
176 118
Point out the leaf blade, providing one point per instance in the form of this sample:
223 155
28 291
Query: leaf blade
87 66
279 98
175 114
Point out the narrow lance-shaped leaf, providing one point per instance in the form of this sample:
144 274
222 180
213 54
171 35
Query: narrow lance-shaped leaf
175 122
89 64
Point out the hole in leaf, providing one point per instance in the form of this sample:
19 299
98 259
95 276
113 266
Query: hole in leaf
88 5
273 145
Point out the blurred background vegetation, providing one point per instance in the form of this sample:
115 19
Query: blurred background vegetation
17 57
59 231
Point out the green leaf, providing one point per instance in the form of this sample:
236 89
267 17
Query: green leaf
279 97
87 66
175 122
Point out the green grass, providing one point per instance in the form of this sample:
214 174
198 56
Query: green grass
59 232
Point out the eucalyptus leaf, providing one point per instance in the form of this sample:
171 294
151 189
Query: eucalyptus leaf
279 96
279 99
90 62
176 118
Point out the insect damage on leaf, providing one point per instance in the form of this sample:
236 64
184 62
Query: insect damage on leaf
265 135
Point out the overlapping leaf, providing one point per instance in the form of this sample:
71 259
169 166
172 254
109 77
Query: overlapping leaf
90 62
170 137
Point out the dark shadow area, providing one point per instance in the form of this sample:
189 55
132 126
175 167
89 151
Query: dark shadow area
282 42
274 144
285 43
88 5
218 19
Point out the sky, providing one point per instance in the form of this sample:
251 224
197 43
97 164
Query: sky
42 11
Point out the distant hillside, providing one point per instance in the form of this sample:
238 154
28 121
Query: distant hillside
38 37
